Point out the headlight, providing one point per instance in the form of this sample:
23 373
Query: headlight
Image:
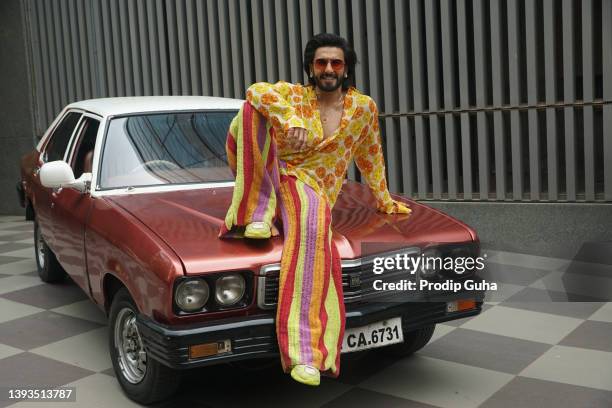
229 289
191 295
449 261
430 264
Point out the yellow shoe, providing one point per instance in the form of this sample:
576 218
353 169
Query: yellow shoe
258 230
306 374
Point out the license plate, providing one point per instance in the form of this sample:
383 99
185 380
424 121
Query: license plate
373 335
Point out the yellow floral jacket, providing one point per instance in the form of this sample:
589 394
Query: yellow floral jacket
323 163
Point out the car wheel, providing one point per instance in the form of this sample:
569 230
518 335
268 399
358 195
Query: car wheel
48 268
142 378
413 342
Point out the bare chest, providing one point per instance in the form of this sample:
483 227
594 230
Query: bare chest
330 119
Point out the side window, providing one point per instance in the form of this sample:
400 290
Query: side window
83 153
58 141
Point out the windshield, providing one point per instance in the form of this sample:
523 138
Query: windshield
166 148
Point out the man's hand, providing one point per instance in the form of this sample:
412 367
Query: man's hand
297 138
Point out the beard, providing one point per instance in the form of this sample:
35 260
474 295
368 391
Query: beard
326 86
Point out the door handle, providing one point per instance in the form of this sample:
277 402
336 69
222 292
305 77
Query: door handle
52 204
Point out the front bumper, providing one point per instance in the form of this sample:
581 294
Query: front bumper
255 336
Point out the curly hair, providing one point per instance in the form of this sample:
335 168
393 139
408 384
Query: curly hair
331 40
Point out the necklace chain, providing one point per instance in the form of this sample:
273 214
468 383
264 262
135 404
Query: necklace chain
335 105
340 99
339 102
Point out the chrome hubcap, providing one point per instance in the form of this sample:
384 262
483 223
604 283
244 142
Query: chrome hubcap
40 248
132 356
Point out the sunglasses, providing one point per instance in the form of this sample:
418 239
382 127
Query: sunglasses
336 64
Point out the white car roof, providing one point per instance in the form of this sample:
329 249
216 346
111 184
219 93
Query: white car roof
141 104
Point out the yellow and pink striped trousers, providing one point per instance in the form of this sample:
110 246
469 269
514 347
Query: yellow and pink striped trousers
310 315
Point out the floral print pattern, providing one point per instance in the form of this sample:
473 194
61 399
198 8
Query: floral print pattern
324 162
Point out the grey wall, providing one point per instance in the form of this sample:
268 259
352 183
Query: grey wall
561 230
487 105
480 100
16 130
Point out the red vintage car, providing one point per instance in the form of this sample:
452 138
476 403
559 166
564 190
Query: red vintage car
127 196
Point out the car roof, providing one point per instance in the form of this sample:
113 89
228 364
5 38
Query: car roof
143 104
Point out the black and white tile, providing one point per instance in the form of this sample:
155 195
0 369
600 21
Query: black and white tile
543 340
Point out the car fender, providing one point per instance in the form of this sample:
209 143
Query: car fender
119 245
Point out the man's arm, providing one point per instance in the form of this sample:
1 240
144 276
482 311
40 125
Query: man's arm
274 102
371 163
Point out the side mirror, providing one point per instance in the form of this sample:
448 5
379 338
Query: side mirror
58 174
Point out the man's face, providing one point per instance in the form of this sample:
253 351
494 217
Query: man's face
328 68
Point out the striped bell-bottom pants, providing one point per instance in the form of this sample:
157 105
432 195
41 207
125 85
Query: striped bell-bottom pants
310 314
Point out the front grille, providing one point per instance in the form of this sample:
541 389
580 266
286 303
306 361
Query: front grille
357 282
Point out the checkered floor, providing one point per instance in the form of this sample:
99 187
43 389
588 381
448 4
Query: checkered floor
531 347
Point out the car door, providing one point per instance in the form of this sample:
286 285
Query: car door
55 148
71 207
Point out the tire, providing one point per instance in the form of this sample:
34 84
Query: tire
149 381
413 342
29 211
48 268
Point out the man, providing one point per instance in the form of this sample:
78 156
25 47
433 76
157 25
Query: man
296 142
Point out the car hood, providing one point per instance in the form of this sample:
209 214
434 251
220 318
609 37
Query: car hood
189 221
